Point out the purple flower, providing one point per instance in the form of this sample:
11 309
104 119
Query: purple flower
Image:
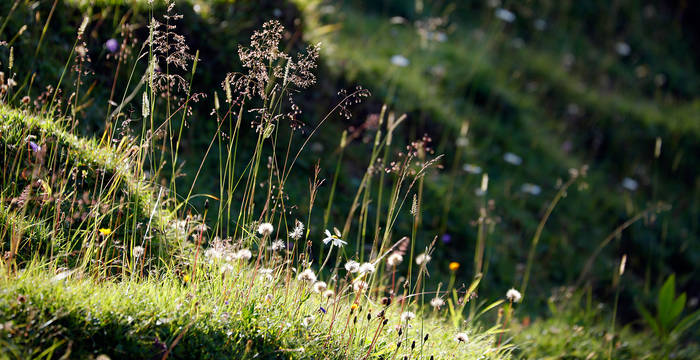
446 238
112 45
320 308
35 148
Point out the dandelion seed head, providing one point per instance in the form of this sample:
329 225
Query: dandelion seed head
437 302
462 337
367 268
307 275
394 259
513 295
265 229
138 251
407 316
243 254
352 266
359 285
423 259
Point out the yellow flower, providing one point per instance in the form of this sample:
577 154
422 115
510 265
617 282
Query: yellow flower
353 306
105 232
454 266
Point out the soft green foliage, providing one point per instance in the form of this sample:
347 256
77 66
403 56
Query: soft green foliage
576 329
667 323
518 93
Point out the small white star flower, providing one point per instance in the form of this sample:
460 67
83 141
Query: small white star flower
334 239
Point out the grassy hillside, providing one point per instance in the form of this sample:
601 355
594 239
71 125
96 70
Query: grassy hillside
185 181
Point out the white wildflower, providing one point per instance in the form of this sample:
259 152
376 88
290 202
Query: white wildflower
243 254
437 302
472 168
367 268
266 273
407 316
359 285
334 239
394 259
630 184
462 337
513 295
423 259
531 189
352 266
308 321
265 229
307 275
277 245
505 15
138 251
298 230
400 61
328 293
319 287
512 159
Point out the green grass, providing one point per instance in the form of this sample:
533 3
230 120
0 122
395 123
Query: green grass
75 214
516 100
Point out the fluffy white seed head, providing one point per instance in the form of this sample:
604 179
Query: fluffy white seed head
319 286
513 295
265 229
394 259
307 275
352 266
